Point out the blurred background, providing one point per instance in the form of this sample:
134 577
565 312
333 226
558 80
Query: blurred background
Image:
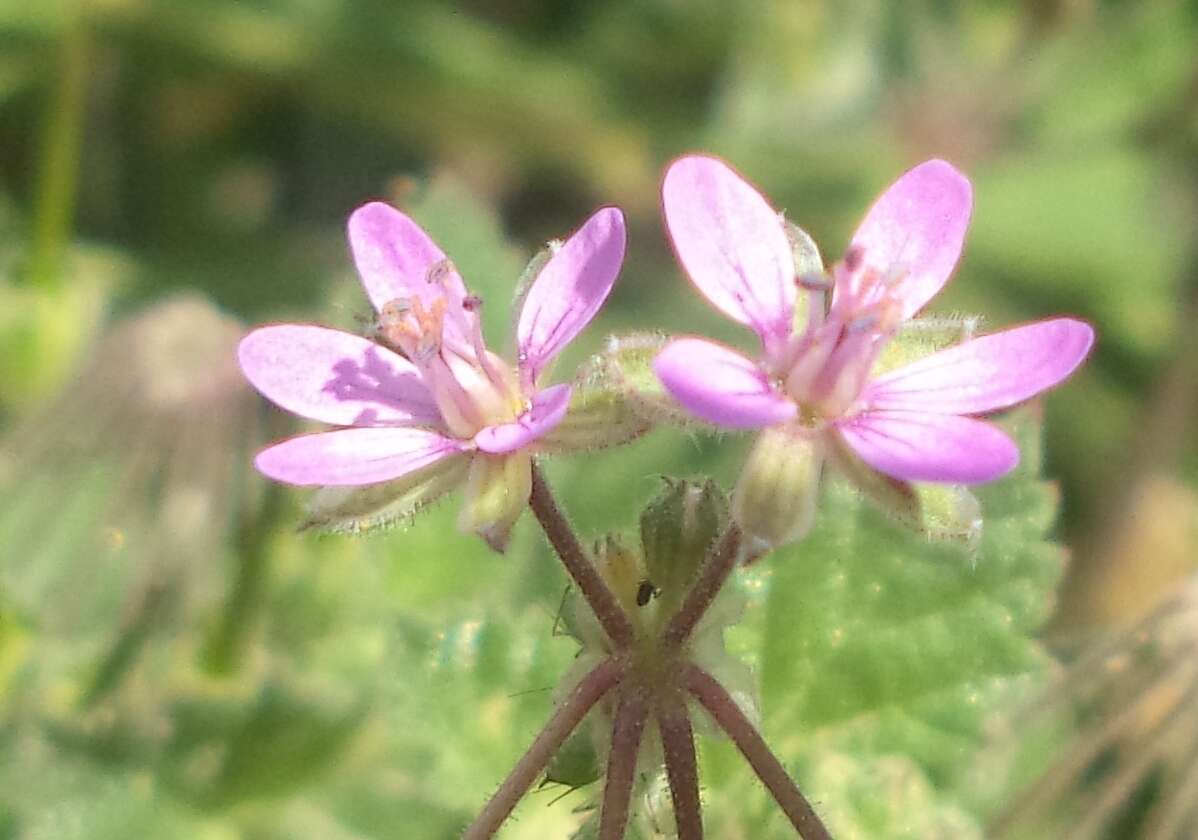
175 661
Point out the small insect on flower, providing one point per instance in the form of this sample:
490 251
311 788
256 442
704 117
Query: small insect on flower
645 592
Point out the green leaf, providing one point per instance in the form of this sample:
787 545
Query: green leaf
878 642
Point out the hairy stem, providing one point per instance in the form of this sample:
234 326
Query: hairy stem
569 714
626 734
678 744
720 564
713 697
561 536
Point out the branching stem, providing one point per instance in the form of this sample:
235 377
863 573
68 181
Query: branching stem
720 564
569 714
713 697
678 744
561 536
627 729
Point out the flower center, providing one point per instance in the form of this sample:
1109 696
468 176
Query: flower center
442 337
827 366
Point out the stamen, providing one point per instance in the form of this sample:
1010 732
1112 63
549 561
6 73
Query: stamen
863 323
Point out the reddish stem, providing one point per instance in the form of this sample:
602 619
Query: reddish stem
720 564
561 536
678 743
569 714
627 729
713 697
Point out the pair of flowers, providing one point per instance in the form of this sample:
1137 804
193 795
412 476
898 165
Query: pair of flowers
424 402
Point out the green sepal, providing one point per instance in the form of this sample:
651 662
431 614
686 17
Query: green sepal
777 492
627 362
601 413
370 507
950 512
938 511
897 498
921 337
527 277
807 259
809 266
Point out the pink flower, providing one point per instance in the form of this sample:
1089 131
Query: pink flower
915 423
428 397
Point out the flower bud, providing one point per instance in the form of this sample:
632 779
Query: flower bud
622 571
497 491
677 530
601 414
627 362
775 498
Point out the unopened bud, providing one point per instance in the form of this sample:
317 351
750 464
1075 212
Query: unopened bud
601 413
678 528
775 498
622 570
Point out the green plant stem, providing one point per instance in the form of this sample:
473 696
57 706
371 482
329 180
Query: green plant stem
627 729
723 709
58 167
720 564
678 744
247 595
126 648
561 536
569 714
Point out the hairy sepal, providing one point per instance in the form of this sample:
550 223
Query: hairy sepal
372 507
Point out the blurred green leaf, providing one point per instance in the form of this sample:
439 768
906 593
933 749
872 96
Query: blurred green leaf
880 642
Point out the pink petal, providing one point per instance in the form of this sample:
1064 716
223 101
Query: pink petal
987 373
732 244
930 447
335 377
720 385
393 255
917 227
570 289
354 456
547 410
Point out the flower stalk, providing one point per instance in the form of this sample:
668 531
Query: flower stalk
589 691
582 571
723 709
682 771
651 673
627 730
